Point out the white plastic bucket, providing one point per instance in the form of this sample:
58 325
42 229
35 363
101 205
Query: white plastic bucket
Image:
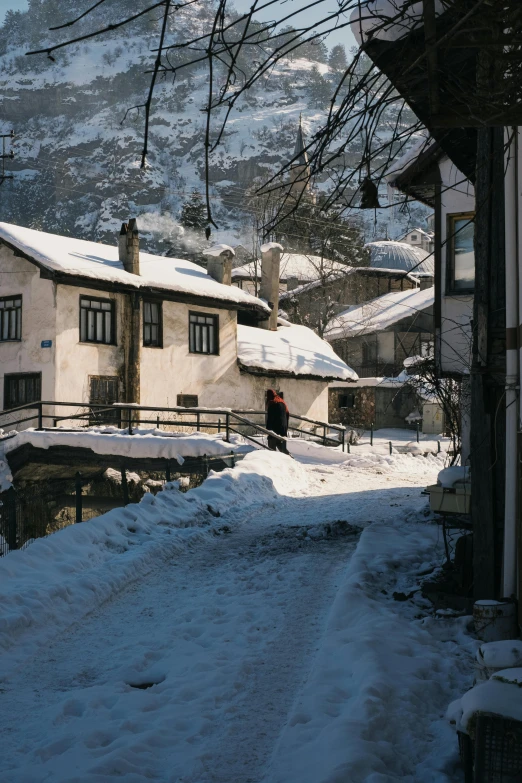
495 620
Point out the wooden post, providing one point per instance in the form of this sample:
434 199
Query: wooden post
227 427
488 367
79 500
371 434
10 507
124 487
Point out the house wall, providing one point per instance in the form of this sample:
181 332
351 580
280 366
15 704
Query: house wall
51 312
377 405
76 362
18 276
454 343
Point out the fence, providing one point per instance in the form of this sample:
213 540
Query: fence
49 414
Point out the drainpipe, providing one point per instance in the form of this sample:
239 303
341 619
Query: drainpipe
512 364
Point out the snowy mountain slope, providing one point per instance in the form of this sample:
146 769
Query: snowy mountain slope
77 164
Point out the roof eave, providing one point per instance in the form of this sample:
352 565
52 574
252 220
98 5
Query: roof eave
84 281
286 374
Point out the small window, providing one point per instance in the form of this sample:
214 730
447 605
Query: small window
97 321
10 318
203 333
414 238
187 400
22 389
461 254
346 400
152 324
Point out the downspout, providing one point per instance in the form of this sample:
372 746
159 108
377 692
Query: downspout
513 281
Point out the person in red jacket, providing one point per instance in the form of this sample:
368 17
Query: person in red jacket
277 418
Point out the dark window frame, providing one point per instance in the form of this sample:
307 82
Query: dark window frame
215 327
112 302
18 318
451 219
349 400
159 342
9 377
182 400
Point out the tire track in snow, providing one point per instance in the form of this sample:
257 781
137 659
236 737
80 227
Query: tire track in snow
227 631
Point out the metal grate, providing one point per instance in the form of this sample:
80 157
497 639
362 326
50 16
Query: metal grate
498 750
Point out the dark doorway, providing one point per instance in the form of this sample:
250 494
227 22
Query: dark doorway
104 390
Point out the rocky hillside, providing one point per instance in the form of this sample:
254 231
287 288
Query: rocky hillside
76 160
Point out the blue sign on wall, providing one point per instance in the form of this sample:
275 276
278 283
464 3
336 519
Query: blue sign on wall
46 343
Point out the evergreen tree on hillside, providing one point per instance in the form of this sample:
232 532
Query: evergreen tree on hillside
193 212
337 59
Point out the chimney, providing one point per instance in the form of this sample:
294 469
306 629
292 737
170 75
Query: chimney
129 247
269 290
219 263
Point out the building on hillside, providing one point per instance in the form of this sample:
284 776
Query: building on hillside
86 322
296 269
377 336
383 403
388 254
431 177
315 304
419 238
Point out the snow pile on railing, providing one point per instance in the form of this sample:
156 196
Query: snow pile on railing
61 578
143 444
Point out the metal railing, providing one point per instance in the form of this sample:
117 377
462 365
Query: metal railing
129 417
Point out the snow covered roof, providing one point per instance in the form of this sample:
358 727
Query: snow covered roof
388 20
399 255
304 267
429 235
294 350
379 314
95 261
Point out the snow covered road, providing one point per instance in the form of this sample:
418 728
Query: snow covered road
198 671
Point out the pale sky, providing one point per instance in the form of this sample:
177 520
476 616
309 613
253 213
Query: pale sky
283 8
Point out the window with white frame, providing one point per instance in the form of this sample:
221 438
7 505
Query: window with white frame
10 318
460 254
203 333
97 320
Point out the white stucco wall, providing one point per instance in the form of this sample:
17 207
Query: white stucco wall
456 311
51 312
18 276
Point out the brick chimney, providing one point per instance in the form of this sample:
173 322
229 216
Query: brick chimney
129 247
219 263
269 290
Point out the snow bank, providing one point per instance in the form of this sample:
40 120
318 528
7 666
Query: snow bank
61 578
290 349
145 443
500 695
96 261
378 674
458 474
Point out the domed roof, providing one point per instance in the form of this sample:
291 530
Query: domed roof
400 255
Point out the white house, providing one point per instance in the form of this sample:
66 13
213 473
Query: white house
296 269
86 322
428 175
418 237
